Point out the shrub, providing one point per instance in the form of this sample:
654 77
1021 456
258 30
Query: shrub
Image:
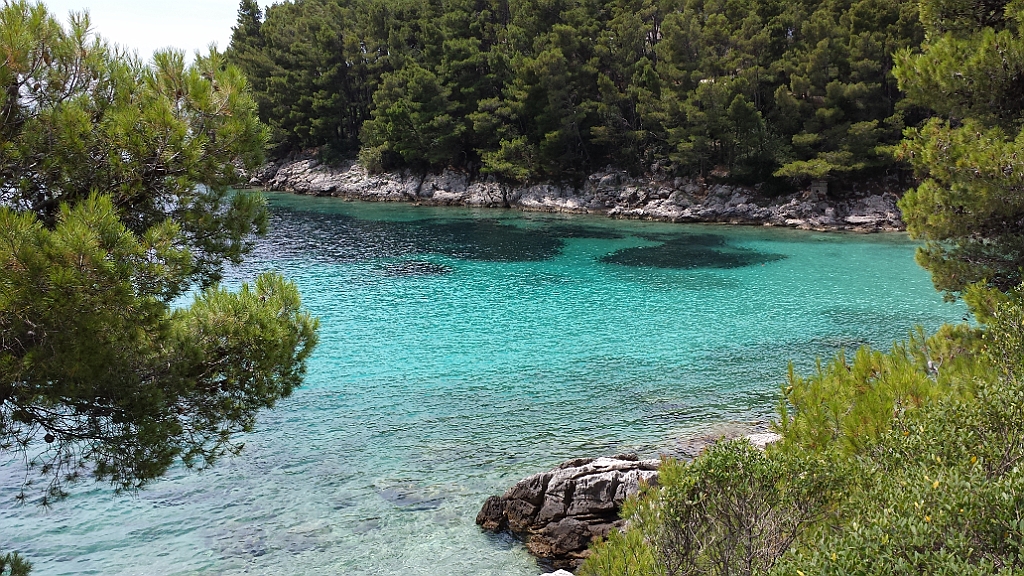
734 510
851 404
942 493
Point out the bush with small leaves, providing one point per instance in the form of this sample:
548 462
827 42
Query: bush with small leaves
733 510
942 493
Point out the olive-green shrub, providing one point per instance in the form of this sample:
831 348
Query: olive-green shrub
849 403
734 510
941 493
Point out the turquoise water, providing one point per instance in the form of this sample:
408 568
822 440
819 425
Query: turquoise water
462 350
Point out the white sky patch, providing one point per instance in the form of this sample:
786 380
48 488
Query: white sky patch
146 26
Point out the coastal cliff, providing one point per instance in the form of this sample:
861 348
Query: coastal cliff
613 193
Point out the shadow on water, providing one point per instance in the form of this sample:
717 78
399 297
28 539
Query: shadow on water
690 251
340 238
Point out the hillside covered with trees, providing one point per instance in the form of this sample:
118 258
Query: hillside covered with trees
759 91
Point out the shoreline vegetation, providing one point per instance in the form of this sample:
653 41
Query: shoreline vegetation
864 207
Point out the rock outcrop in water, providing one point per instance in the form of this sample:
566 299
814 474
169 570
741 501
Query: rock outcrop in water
615 194
557 513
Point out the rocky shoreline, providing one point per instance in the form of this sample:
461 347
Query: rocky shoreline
558 513
612 193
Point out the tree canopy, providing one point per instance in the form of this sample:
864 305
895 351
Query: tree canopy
970 204
754 89
114 205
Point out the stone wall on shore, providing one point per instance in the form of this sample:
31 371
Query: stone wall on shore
613 193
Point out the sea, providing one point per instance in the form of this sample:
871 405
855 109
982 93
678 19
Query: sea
464 349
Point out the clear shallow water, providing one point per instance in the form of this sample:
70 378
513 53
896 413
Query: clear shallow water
462 350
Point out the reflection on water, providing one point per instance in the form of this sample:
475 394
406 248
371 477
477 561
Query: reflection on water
462 350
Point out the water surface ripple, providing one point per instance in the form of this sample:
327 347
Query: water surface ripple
462 350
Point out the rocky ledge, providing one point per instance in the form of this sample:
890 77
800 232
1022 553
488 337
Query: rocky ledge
613 193
559 512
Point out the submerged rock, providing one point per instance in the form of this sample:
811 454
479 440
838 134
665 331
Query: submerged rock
559 512
411 497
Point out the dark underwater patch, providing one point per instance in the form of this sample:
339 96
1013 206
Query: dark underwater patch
489 241
412 268
336 238
577 231
409 497
339 238
690 251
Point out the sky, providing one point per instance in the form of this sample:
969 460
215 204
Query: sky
146 25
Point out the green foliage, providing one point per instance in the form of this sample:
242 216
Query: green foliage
411 119
941 491
939 485
626 553
309 71
732 510
847 405
114 202
14 565
968 207
956 16
96 364
77 118
552 89
514 159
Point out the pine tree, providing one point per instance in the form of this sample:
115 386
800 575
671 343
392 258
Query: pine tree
969 206
114 179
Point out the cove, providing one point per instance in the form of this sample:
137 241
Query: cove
462 350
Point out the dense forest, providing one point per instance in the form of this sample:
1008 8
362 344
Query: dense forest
769 91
